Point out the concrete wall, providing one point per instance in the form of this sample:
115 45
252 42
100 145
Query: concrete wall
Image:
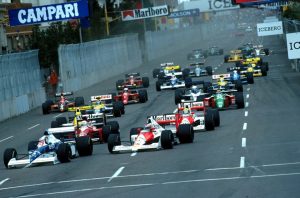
20 88
82 65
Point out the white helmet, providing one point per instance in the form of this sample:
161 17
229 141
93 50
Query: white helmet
83 123
125 89
194 89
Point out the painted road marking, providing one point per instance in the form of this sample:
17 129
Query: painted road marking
163 183
242 162
33 126
116 173
133 154
6 138
243 142
247 96
57 115
247 104
175 111
216 68
4 180
248 89
246 113
245 126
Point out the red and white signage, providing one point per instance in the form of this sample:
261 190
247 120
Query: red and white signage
129 15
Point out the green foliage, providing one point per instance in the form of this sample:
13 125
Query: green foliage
293 11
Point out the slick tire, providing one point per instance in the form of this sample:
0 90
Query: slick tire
250 78
209 70
64 153
112 141
166 139
209 120
117 109
158 85
239 99
84 146
61 120
114 126
145 81
216 117
185 133
178 95
239 86
264 71
155 73
186 72
143 96
9 154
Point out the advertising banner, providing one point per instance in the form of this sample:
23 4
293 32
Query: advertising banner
184 13
129 15
293 45
267 29
48 13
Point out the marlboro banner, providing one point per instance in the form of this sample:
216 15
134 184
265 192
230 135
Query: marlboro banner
129 15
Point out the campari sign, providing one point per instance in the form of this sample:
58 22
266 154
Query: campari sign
129 15
48 13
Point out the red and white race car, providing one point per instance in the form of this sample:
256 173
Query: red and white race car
131 96
133 81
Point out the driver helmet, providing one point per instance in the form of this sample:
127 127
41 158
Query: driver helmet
195 89
84 123
235 72
125 89
131 77
186 110
77 113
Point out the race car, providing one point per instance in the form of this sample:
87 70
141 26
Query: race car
223 82
154 136
194 94
171 82
197 70
131 96
61 103
252 60
214 50
235 56
48 149
198 55
234 76
255 50
225 100
103 104
93 125
196 114
256 70
166 68
133 81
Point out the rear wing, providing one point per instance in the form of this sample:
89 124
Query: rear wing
177 74
61 130
89 116
166 64
64 94
191 105
236 51
217 76
101 97
135 74
65 134
258 46
82 108
197 64
164 119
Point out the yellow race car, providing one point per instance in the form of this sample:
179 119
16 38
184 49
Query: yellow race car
166 68
235 56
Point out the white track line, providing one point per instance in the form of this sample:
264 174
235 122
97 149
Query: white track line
248 89
175 111
243 142
4 180
33 126
216 68
116 173
164 183
247 96
245 126
246 113
242 162
133 154
57 115
247 104
6 138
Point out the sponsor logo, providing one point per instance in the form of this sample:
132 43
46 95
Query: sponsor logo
220 4
48 13
157 11
274 28
294 45
184 13
270 28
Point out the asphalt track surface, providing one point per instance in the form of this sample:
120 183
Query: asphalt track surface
254 153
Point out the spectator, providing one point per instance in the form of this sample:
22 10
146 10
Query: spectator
53 80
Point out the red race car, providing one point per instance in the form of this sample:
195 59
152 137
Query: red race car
133 81
132 96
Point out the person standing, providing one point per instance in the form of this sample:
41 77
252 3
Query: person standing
53 80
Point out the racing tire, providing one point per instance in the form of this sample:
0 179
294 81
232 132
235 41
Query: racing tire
267 51
166 139
84 146
185 133
119 84
158 84
188 82
117 109
64 153
112 141
250 78
9 154
133 131
45 108
216 115
79 101
185 72
206 87
264 71
226 58
142 96
267 65
161 76
209 70
239 86
61 120
209 120
145 81
54 124
155 73
178 95
32 145
239 99
105 132
114 126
